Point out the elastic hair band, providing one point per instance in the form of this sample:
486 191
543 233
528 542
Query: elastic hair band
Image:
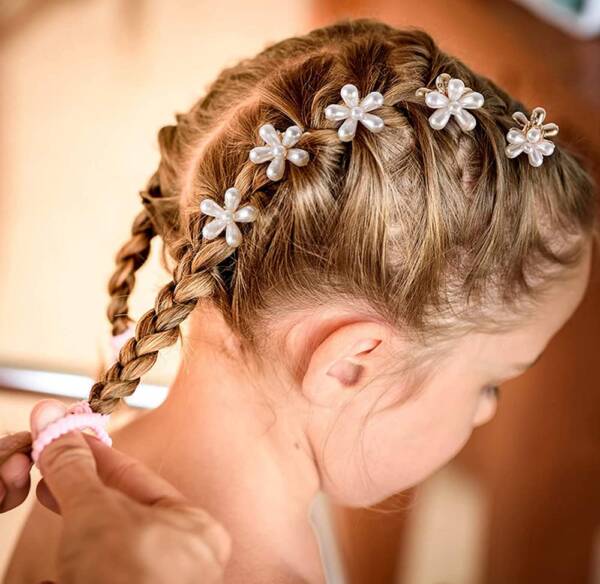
78 417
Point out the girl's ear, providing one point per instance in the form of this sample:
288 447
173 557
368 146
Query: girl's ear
344 361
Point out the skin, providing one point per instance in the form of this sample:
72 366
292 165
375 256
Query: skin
143 516
252 446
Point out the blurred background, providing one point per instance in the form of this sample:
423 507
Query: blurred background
85 86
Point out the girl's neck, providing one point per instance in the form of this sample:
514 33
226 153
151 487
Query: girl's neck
245 458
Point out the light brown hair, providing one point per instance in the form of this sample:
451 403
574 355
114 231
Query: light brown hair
421 226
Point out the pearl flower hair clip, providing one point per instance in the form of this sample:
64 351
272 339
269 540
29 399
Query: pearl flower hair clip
452 98
226 218
279 148
530 137
355 110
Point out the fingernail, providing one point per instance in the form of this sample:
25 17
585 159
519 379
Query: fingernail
44 413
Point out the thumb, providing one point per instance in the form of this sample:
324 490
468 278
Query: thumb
67 464
133 478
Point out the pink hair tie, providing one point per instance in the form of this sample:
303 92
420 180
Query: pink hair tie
78 417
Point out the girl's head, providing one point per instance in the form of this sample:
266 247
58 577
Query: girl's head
393 281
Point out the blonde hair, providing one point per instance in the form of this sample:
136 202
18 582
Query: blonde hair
418 225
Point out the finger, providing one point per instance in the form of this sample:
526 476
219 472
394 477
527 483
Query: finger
45 497
44 413
130 476
69 470
67 464
14 476
11 443
213 533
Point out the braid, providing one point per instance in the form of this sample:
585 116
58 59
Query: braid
130 258
160 216
193 279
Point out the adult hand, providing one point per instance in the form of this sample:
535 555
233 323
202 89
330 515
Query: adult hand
122 522
15 459
15 465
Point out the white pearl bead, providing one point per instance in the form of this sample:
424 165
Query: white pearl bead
278 151
534 135
357 113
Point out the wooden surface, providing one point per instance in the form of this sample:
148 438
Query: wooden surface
539 460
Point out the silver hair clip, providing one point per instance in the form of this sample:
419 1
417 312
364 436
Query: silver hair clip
226 218
452 98
530 137
279 148
355 110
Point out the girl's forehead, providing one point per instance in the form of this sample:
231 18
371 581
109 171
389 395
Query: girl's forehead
522 346
564 296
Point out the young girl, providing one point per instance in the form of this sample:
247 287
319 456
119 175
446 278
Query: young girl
398 248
